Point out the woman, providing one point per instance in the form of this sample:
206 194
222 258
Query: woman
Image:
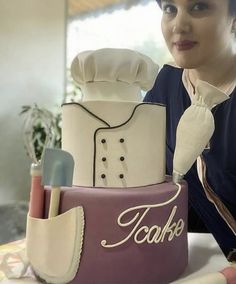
199 35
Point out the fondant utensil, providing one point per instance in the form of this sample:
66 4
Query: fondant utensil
225 276
57 169
211 278
37 192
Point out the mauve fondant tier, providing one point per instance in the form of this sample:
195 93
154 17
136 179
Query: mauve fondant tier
155 249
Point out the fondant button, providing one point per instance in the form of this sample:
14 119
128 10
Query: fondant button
103 141
103 176
122 158
122 140
121 176
104 159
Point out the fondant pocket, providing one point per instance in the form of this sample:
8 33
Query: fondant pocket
54 245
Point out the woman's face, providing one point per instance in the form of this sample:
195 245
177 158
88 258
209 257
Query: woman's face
197 32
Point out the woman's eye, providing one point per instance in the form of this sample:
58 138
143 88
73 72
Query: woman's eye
198 7
169 9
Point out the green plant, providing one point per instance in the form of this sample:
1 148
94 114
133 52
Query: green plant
42 128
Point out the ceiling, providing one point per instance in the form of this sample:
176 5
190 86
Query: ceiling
78 7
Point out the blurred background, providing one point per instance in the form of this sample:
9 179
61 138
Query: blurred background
39 39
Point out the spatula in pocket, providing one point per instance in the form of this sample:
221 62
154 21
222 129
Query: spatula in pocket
57 171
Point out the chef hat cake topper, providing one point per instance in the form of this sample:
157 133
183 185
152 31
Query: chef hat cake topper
113 74
195 127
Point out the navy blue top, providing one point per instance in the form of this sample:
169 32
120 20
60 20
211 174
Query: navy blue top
220 158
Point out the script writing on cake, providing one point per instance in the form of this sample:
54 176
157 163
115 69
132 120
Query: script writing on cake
153 234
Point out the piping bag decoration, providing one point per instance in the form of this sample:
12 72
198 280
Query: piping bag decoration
195 128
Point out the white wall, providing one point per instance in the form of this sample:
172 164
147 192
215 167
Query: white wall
32 70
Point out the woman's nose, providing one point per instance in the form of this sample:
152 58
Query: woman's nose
181 23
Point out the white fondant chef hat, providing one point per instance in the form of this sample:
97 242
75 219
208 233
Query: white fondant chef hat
113 74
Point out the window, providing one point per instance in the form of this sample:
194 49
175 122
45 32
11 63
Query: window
137 27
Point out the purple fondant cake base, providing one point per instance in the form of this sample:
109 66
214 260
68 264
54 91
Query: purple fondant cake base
162 254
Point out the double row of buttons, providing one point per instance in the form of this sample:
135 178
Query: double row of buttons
103 141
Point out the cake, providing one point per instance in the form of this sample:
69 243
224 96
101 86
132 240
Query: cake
121 220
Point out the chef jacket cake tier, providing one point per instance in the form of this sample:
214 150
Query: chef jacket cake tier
131 236
115 144
121 222
115 139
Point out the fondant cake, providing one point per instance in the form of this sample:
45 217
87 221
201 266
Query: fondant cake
122 221
132 236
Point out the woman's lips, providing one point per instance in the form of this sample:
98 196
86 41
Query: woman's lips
184 44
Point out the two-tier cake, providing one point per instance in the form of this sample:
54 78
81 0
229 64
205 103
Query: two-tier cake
123 221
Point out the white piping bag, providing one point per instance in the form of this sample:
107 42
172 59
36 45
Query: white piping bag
195 128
